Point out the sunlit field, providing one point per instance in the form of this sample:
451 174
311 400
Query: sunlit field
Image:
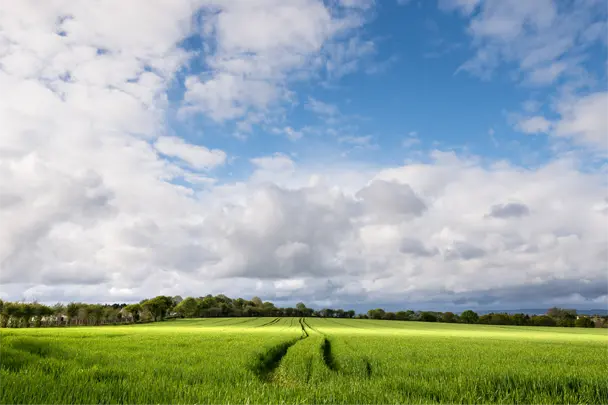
303 360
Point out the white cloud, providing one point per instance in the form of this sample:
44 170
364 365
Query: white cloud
464 6
545 39
534 125
412 230
581 118
196 156
363 141
292 134
276 162
585 119
254 50
321 108
412 140
90 211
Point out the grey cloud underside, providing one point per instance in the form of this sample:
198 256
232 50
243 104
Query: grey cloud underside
549 290
344 247
509 210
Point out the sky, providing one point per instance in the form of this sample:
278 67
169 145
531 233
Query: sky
440 154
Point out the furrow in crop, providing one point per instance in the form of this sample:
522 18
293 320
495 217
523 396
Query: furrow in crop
304 332
268 361
310 327
275 320
328 357
242 321
368 367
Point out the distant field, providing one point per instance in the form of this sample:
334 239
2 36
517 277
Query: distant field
303 360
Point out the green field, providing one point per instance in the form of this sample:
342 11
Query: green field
303 360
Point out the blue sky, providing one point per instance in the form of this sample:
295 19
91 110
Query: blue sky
407 95
431 154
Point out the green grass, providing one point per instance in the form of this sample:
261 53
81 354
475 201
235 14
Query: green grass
314 361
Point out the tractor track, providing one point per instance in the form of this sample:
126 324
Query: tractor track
275 320
329 358
267 362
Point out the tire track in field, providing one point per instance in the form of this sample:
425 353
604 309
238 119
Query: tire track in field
342 324
245 320
275 320
220 321
311 328
267 362
366 363
240 322
326 353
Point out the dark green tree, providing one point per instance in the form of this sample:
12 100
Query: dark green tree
428 317
584 322
134 310
72 311
188 308
449 317
377 313
469 316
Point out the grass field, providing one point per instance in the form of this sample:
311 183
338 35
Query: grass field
303 360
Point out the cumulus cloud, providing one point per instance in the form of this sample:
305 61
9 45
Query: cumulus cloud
93 206
581 118
509 210
534 125
543 39
254 50
197 156
584 119
321 108
391 201
464 6
276 162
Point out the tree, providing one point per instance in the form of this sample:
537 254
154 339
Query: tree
188 308
543 320
58 311
27 312
158 306
389 316
109 314
134 310
4 314
377 313
327 313
469 316
350 313
584 322
428 317
257 301
9 311
449 317
500 319
520 319
84 314
72 311
40 311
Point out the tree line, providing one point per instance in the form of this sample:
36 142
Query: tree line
24 314
553 317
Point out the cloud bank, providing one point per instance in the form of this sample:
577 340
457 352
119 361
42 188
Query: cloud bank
101 201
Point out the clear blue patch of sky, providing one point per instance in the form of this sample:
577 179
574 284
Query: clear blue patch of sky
419 91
